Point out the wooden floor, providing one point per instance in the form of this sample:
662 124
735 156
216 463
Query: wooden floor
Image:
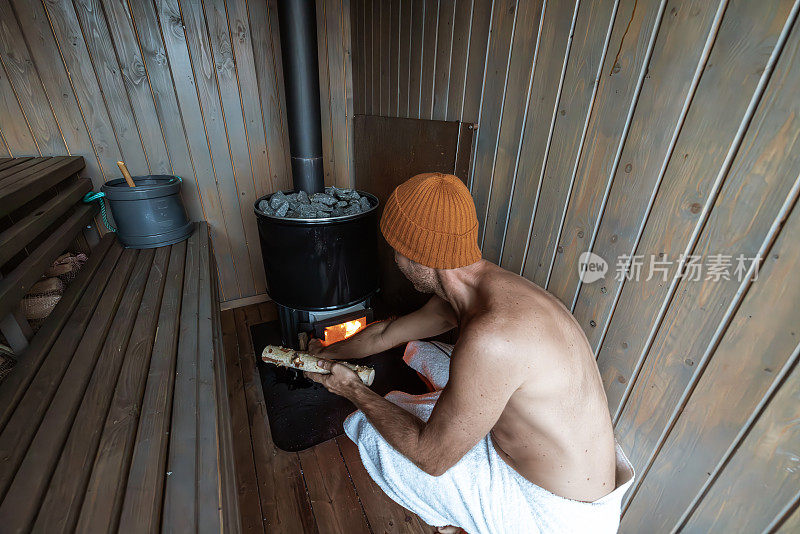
322 490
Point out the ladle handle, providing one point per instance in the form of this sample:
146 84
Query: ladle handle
126 174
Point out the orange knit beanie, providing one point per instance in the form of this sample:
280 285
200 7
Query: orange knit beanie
431 219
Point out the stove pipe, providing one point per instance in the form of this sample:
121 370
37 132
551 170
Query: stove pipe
298 29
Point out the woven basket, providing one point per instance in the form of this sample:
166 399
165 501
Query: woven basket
7 361
67 266
48 286
39 306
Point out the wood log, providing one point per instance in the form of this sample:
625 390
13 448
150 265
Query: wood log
284 357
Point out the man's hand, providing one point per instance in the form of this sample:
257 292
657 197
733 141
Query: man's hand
342 380
331 352
315 346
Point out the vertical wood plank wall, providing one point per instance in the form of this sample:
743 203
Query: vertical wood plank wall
665 129
186 87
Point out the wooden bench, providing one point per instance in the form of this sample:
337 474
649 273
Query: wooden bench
116 413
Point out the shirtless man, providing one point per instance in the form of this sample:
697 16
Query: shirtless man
522 384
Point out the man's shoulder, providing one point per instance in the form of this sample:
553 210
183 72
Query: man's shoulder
504 336
484 328
529 324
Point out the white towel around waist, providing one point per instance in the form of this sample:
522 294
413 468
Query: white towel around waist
481 493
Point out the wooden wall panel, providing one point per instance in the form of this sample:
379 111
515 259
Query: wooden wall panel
766 170
708 134
39 50
518 84
746 367
656 128
384 44
110 121
417 50
403 59
442 67
763 460
334 26
324 89
430 27
17 135
373 40
394 56
620 82
679 58
262 23
709 140
789 520
357 56
170 24
496 76
532 248
458 56
215 93
186 87
480 22
131 109
503 216
24 79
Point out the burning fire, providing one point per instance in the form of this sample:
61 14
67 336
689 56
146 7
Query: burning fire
341 331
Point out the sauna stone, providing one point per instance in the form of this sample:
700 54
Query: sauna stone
334 202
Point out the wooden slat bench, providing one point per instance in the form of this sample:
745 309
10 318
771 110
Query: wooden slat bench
115 416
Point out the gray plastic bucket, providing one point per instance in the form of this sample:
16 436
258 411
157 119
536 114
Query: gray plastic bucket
151 214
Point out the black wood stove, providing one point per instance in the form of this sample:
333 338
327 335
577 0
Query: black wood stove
320 271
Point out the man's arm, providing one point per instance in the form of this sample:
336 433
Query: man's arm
432 319
482 379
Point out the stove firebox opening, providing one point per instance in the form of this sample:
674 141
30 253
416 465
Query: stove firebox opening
342 331
342 326
329 326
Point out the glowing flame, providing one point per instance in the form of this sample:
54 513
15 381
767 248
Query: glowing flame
341 331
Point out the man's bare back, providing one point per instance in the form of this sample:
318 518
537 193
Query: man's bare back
555 429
